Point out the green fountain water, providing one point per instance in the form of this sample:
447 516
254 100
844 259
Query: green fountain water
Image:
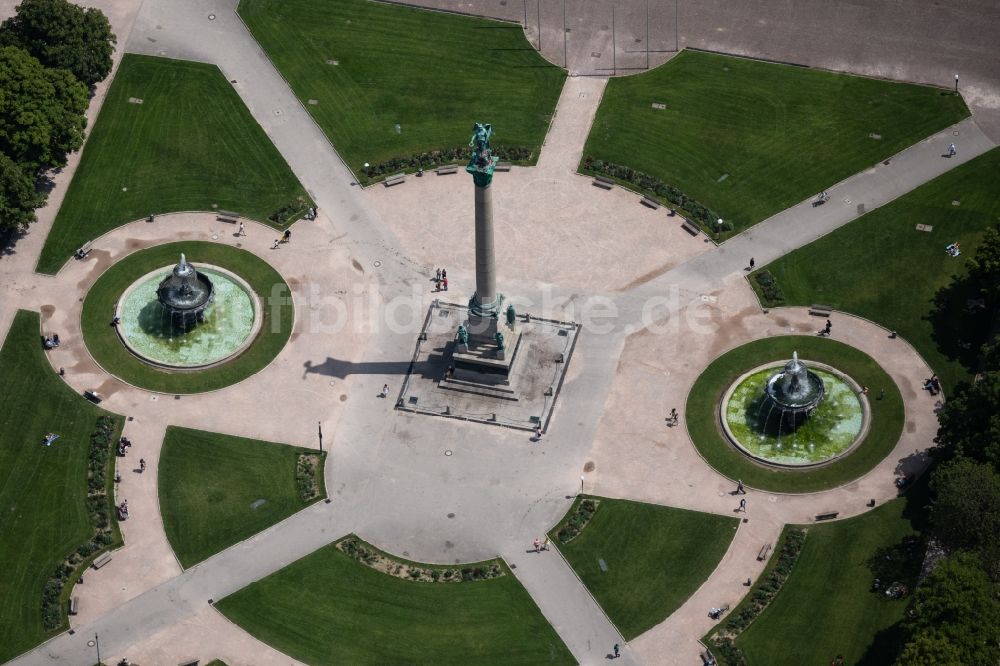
754 423
226 327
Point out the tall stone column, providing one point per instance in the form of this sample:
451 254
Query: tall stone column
485 305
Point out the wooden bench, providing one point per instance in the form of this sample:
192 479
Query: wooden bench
820 310
765 550
690 227
604 182
447 169
395 179
503 166
74 605
101 560
829 515
227 216
651 203
84 250
93 396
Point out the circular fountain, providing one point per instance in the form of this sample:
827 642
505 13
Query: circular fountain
188 318
790 415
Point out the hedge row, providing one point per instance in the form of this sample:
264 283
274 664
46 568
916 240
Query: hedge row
101 518
699 213
435 158
723 645
372 557
769 287
578 518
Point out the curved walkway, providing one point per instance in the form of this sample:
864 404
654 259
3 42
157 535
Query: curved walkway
387 475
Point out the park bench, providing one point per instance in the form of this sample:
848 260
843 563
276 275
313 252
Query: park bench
765 550
690 227
101 560
651 203
503 166
84 250
447 169
828 515
227 216
820 310
93 396
604 182
395 179
74 605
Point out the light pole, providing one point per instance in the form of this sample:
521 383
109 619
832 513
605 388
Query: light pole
319 425
96 643
367 175
956 84
718 232
581 485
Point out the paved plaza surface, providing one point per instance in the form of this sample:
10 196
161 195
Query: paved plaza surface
571 250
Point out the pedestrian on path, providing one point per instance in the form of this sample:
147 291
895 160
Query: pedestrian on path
537 544
743 505
538 434
827 329
616 650
444 273
287 236
384 392
142 465
437 276
444 283
752 263
545 544
243 230
277 242
739 487
674 417
952 150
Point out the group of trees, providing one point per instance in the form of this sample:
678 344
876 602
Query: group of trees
954 617
51 53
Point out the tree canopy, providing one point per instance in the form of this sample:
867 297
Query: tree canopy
955 614
41 111
969 422
18 196
63 35
966 509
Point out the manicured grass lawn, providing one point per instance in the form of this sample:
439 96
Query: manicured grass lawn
881 268
656 557
826 607
208 483
329 609
191 144
702 415
432 74
781 133
111 354
43 489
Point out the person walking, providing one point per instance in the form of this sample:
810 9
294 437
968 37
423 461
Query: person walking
444 283
739 487
752 263
538 433
536 543
287 236
142 465
617 650
243 230
277 242
674 417
743 505
828 327
437 276
952 150
385 391
545 544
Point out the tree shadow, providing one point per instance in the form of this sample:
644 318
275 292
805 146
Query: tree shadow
959 321
884 648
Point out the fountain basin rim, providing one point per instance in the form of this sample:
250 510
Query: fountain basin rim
734 442
258 320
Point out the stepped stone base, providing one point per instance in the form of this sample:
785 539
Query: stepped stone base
516 388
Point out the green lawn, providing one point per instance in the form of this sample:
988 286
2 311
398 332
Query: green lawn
702 415
111 354
826 607
191 144
881 268
431 73
208 483
43 489
656 557
749 139
329 609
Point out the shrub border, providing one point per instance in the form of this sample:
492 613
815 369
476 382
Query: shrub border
371 556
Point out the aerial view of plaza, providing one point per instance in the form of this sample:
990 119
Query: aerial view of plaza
505 332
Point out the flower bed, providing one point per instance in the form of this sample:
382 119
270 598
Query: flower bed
577 519
435 158
305 475
370 556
